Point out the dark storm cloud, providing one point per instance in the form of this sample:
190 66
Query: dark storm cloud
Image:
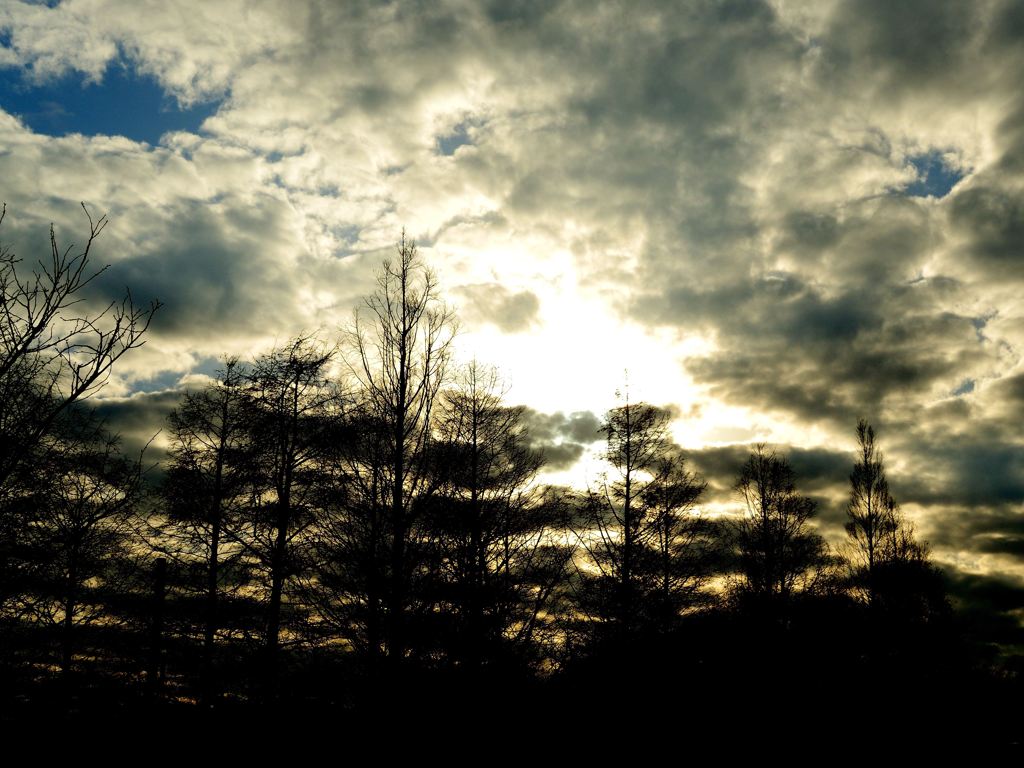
834 318
808 234
558 456
817 470
1011 131
562 438
511 311
660 127
992 604
1000 593
680 74
581 427
719 466
787 345
972 472
851 328
1010 389
905 45
138 420
223 267
993 222
820 469
965 452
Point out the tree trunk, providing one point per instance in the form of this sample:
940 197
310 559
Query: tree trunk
67 632
155 672
210 631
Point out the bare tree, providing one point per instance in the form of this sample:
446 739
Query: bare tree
891 567
400 348
293 407
206 488
80 524
684 542
638 530
493 564
779 551
54 350
872 511
347 581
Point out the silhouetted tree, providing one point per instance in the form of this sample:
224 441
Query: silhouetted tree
492 566
685 543
891 567
400 348
780 553
53 351
292 408
79 528
638 529
872 513
207 486
347 581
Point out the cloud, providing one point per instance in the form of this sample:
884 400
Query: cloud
196 54
905 46
511 312
992 220
560 437
820 473
992 603
139 420
228 265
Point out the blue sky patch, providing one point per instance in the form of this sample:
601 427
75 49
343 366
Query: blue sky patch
349 234
934 177
158 382
979 324
214 366
126 103
965 388
164 380
459 137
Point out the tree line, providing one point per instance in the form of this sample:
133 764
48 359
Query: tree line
340 519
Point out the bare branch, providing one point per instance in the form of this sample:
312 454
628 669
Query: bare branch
53 352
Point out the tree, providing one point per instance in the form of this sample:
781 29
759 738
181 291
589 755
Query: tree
779 551
292 409
54 351
642 540
206 489
872 513
346 583
491 567
684 542
400 347
891 568
79 527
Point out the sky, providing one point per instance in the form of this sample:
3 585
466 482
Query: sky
773 217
